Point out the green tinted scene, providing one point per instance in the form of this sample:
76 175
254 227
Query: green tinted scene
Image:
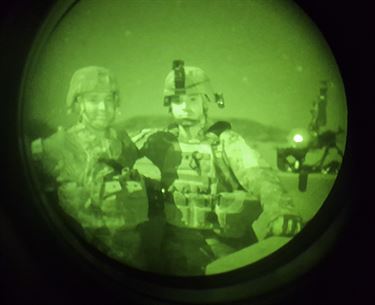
184 137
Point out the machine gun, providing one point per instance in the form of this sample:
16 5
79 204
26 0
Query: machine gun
312 138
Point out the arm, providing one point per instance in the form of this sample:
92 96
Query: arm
259 179
46 154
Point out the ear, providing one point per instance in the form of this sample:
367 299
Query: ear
206 101
116 99
78 105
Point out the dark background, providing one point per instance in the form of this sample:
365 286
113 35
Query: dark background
266 57
33 268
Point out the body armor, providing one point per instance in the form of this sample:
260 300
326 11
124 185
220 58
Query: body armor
203 193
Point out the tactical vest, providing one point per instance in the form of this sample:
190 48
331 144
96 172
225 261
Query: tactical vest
123 200
204 193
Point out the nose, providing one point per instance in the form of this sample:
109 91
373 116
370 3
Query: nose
183 105
102 105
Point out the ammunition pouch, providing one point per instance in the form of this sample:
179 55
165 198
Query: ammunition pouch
190 210
119 202
228 214
76 201
124 201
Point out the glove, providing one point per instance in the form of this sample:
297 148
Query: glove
285 225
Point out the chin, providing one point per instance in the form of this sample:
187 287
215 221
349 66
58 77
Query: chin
101 125
187 121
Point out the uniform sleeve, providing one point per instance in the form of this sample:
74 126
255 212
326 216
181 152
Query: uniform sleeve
46 154
256 177
52 153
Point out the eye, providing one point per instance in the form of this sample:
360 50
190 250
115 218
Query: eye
176 100
92 100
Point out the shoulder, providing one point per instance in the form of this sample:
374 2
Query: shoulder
53 148
44 146
239 153
230 137
219 127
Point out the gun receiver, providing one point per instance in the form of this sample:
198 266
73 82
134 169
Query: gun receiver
293 158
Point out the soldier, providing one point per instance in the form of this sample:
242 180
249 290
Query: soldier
90 164
215 186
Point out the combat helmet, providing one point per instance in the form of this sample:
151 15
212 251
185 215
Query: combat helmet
88 79
189 80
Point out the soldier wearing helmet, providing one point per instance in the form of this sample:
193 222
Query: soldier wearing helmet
90 166
219 195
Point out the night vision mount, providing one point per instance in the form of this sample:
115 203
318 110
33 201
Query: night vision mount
180 84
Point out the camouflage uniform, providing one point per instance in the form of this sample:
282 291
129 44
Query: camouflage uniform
217 190
96 186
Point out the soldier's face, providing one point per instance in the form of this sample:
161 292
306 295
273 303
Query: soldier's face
98 109
188 109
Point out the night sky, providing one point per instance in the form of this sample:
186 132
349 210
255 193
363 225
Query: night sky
267 57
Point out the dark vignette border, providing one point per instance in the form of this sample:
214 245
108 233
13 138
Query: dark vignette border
37 266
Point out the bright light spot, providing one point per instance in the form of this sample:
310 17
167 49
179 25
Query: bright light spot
298 138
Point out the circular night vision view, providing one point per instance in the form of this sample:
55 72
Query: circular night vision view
183 137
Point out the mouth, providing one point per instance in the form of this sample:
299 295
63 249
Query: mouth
102 117
184 120
186 114
102 121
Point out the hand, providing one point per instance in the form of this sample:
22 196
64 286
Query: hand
286 225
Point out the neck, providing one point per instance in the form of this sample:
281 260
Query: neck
192 132
97 132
